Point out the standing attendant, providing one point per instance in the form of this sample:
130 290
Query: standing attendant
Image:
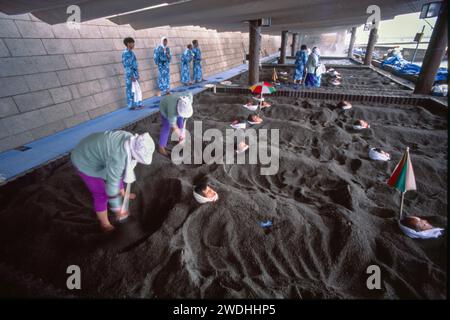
186 59
162 58
301 57
312 65
129 63
198 76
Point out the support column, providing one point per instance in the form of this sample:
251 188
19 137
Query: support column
370 46
284 40
435 52
352 43
254 49
294 44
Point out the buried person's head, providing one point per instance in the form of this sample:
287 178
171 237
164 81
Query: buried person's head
203 193
360 124
345 105
254 119
416 223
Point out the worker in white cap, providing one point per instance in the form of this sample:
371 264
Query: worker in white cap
175 109
106 160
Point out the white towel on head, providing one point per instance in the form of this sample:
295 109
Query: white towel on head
242 150
251 107
375 155
201 199
142 147
241 125
358 127
136 90
347 107
426 234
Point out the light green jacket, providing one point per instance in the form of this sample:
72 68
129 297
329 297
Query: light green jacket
103 155
168 105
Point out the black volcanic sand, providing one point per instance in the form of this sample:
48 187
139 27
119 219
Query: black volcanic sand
354 80
332 212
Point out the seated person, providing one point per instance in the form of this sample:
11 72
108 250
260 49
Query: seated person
241 147
416 223
378 154
345 105
360 124
203 193
254 119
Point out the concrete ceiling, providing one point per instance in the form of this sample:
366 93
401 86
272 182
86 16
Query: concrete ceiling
303 16
55 11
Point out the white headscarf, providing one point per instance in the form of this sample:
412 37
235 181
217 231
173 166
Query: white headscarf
162 42
140 149
184 107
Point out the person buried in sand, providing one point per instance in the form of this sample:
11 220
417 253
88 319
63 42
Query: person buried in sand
360 124
345 105
174 109
378 154
203 193
416 223
104 161
254 119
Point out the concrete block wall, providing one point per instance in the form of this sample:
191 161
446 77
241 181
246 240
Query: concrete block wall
54 77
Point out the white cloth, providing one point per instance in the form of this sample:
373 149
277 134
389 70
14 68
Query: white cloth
254 122
129 176
320 69
137 92
347 107
358 127
242 150
241 125
251 107
201 199
162 42
375 155
142 147
426 234
184 107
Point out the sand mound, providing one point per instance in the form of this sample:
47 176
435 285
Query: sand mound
332 213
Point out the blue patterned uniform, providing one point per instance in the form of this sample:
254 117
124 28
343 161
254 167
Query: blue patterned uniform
301 57
129 62
162 60
186 59
198 76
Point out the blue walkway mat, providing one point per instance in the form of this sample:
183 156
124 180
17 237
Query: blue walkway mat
14 163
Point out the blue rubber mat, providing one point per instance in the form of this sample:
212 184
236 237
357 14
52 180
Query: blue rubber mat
14 163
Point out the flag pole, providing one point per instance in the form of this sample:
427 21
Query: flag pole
401 205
